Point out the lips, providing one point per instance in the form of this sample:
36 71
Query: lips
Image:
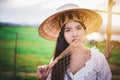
73 40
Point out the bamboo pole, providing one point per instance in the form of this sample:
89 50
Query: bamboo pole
108 41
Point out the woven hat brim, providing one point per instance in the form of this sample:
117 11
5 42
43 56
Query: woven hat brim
50 28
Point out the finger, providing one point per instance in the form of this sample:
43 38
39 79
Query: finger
42 71
39 74
44 68
75 42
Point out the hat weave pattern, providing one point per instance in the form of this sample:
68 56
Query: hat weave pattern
51 27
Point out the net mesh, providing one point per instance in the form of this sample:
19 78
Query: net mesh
60 68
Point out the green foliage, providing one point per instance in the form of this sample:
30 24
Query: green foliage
115 57
18 77
32 51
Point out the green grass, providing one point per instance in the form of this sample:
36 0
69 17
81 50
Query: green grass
18 77
32 51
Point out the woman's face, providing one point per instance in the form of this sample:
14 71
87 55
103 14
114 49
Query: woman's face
72 31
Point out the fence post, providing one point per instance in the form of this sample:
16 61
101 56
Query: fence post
109 25
15 54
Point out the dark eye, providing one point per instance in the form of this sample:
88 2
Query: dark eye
78 28
67 30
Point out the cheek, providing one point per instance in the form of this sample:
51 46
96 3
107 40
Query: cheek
67 38
82 35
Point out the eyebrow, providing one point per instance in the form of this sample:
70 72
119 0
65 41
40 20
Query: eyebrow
68 28
79 25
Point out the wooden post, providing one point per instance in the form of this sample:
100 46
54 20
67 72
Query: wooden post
108 41
14 67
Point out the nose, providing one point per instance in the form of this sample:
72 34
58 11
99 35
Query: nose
75 34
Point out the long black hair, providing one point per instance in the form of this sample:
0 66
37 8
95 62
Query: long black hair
61 66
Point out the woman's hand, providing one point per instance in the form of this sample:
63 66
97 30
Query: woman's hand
77 46
78 49
43 71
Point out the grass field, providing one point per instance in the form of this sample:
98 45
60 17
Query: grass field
32 51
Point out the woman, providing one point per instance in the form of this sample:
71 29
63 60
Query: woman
70 27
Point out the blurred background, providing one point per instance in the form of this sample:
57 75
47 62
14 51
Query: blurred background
22 49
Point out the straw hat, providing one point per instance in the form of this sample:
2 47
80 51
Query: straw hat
51 27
